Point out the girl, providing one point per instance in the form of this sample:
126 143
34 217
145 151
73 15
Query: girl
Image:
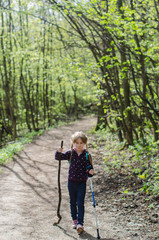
80 168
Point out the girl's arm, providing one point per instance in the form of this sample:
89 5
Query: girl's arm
62 156
90 165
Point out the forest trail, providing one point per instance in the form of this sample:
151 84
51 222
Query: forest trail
29 194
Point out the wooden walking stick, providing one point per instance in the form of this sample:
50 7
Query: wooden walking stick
59 190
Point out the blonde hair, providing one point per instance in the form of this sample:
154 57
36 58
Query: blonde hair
84 139
78 135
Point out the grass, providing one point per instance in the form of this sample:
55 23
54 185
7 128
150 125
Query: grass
7 152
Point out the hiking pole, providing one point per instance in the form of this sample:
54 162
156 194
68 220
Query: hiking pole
94 205
59 190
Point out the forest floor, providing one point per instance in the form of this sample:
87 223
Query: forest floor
29 196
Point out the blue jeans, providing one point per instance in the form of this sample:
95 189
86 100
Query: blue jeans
77 192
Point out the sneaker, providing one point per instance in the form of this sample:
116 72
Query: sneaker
74 225
80 228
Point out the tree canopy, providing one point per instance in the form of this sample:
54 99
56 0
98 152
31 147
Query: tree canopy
59 57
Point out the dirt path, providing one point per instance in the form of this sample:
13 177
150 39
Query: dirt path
29 195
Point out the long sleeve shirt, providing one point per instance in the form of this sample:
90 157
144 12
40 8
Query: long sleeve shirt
79 164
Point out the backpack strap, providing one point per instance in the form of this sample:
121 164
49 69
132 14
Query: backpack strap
70 157
89 166
90 160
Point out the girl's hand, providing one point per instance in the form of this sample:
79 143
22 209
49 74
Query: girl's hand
91 172
60 150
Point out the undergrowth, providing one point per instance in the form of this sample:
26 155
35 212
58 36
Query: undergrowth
137 160
7 152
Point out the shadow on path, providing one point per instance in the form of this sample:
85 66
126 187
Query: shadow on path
65 232
33 187
84 235
36 186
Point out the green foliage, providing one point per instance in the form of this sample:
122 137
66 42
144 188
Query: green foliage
10 149
53 78
124 40
141 162
7 152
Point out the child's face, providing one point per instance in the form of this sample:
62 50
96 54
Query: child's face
79 145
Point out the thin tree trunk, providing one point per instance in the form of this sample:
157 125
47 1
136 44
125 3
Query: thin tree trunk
125 85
